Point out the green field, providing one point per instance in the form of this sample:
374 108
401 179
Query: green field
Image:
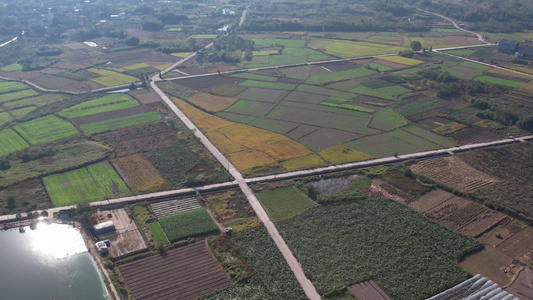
172 162
17 95
386 119
38 101
385 92
378 67
301 72
268 85
188 224
272 125
99 105
159 234
94 183
467 70
410 109
11 142
120 122
45 129
348 106
337 76
66 157
12 67
284 203
348 49
22 112
4 118
379 239
500 81
11 86
324 91
383 145
430 136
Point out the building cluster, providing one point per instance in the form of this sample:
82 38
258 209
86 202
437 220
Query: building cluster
514 47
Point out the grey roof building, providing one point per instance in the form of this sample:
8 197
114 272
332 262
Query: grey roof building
508 46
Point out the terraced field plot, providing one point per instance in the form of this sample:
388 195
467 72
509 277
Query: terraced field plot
11 142
94 183
140 174
349 49
121 122
11 86
182 273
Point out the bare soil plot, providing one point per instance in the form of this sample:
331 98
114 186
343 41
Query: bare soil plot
505 229
472 220
172 207
490 263
182 273
447 208
389 191
145 97
454 172
127 238
430 200
519 246
522 287
368 290
110 115
139 139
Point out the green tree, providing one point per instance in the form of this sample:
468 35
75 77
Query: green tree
85 214
11 202
416 46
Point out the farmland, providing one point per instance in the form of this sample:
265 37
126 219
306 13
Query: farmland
94 183
188 224
45 129
140 174
67 156
11 142
99 105
159 234
284 203
272 277
113 124
185 273
368 228
349 49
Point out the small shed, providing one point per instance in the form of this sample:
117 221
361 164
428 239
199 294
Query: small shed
526 51
101 247
104 227
508 46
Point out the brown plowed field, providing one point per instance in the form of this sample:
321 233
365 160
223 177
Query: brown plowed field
473 135
453 172
505 229
447 208
523 285
182 273
368 290
519 246
430 200
139 139
140 174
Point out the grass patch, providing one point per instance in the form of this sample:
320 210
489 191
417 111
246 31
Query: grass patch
284 203
337 76
12 67
11 142
188 224
268 85
22 112
39 101
104 104
347 49
386 119
45 129
341 154
368 228
159 234
121 122
94 183
500 81
378 67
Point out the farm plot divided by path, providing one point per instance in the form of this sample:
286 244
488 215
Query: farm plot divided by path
182 273
171 207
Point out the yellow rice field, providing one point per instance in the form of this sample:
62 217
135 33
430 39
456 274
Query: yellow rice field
246 146
402 60
141 174
211 102
137 66
341 154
